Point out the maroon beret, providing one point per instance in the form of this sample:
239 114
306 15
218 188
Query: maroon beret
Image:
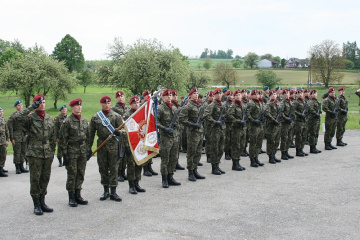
244 90
228 93
145 93
167 92
341 89
331 89
76 101
38 97
306 90
253 92
272 92
284 91
237 91
218 90
210 94
259 92
292 92
192 91
174 92
313 91
119 93
105 99
134 99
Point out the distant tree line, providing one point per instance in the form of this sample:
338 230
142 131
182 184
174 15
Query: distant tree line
220 54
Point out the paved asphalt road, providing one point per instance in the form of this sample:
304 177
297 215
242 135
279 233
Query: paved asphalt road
314 197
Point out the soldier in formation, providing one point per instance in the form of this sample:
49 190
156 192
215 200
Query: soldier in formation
341 117
330 107
4 142
59 120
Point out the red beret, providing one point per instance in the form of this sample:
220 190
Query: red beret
76 101
284 91
272 92
254 92
259 92
134 99
306 90
313 91
299 91
210 94
192 91
38 97
228 93
218 90
119 93
292 92
174 92
145 93
237 91
341 89
244 90
166 92
331 89
105 99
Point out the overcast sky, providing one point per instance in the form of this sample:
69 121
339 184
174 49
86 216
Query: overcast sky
282 28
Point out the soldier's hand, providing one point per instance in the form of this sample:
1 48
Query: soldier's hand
218 123
288 119
318 115
333 114
276 122
88 154
344 111
168 130
37 103
7 143
13 142
116 133
302 116
66 160
195 125
128 150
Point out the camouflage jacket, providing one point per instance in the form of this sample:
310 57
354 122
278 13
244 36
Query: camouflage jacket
272 112
299 106
102 132
120 109
177 121
313 109
235 113
342 104
16 125
74 134
41 134
228 106
329 106
189 114
164 117
254 109
212 113
266 98
285 112
58 121
4 131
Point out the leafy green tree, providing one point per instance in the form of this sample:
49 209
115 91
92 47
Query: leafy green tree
266 56
16 45
197 79
207 63
86 78
205 53
250 59
267 77
117 50
236 63
70 51
229 53
237 57
283 62
9 55
326 60
352 52
225 73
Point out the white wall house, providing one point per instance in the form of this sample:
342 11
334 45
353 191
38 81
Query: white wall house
264 64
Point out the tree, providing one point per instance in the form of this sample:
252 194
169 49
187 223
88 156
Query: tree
70 51
250 59
237 57
221 54
236 63
117 50
283 62
197 79
205 53
16 45
267 77
9 55
86 78
326 60
229 53
224 73
207 63
266 56
352 53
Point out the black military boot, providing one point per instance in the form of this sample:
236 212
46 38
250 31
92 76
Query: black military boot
292 145
227 155
253 163
200 164
271 159
261 151
191 175
236 166
132 188
151 170
305 154
246 152
60 161
37 206
172 181
276 159
258 162
299 153
327 146
317 149
165 183
146 171
313 150
208 158
120 177
123 174
78 198
218 167
198 175
114 196
72 202
332 146
138 188
178 166
340 143
288 155
2 173
17 166
4 170
105 195
283 156
44 207
240 165
22 169
215 170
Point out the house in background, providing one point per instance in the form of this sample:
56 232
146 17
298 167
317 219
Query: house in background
267 63
297 63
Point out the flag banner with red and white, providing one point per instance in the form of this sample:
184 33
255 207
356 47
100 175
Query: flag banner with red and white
141 131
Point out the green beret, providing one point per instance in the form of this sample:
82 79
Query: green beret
289 88
299 88
265 88
17 102
1 108
248 91
141 97
224 90
63 106
277 88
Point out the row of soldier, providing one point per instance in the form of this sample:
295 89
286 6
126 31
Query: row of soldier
225 123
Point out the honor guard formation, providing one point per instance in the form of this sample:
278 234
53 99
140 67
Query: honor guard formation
220 123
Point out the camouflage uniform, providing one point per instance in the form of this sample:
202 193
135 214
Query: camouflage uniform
207 130
58 120
16 125
341 119
244 102
74 134
266 98
273 128
108 155
228 132
330 119
313 122
4 136
300 126
286 128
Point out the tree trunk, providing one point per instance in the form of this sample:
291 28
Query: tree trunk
84 89
55 103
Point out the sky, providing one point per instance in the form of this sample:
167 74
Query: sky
282 28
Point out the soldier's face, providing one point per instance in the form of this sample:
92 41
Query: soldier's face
76 109
63 111
307 94
19 107
105 106
314 95
1 112
300 95
254 96
41 106
332 94
210 98
231 97
273 96
135 105
286 95
120 99
194 96
218 96
238 97
244 94
174 97
167 98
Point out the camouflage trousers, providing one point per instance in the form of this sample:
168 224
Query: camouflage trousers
60 150
285 135
330 127
193 155
122 162
217 144
40 171
300 133
238 141
108 162
19 152
75 171
313 131
272 138
184 138
2 155
340 128
255 137
207 139
169 153
228 135
133 170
